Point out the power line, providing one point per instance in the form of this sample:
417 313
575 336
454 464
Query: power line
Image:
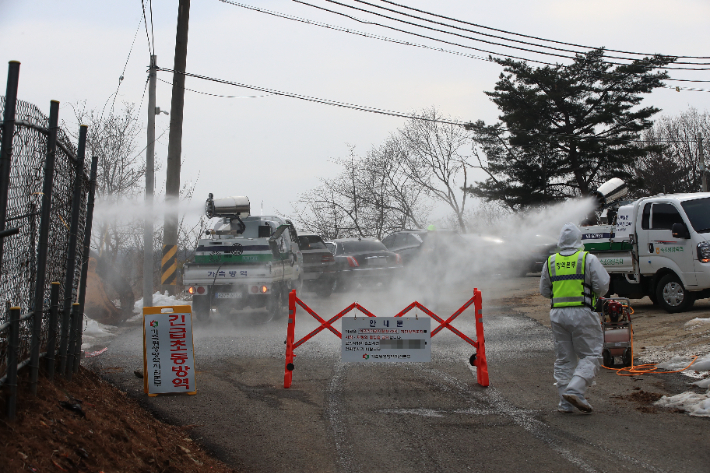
220 96
466 37
152 32
534 37
503 37
335 103
407 43
151 49
363 108
120 79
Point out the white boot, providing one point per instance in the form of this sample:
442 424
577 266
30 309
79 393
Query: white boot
564 406
574 394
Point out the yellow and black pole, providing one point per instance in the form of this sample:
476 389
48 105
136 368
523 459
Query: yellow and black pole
168 266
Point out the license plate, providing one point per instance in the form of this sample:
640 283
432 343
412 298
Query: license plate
229 295
377 261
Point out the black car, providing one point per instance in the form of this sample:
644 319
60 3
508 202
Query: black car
364 262
435 245
318 265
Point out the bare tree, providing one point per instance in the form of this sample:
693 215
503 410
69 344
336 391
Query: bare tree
434 160
677 167
371 197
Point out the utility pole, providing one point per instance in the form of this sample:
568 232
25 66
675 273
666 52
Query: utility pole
701 159
168 275
149 184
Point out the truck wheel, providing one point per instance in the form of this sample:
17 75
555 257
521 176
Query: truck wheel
672 296
276 305
201 307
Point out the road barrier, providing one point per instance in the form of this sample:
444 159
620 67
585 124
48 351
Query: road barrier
478 359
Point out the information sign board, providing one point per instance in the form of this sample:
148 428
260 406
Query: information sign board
386 339
168 353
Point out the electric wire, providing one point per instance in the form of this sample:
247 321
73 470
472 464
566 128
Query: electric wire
534 37
504 38
120 79
351 31
381 111
469 37
217 95
407 43
152 31
151 49
307 98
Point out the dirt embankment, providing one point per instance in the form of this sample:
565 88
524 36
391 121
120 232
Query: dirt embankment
87 425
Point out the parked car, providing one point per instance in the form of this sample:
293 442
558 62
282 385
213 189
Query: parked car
318 267
431 246
365 262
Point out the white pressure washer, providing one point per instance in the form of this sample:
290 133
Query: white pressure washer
615 314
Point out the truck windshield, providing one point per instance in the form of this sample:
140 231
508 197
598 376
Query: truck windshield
698 212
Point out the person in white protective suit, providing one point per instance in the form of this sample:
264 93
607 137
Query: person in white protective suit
573 279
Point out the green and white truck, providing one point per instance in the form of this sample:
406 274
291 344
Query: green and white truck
244 262
655 246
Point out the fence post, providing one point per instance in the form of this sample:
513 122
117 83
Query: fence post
52 329
85 257
13 345
73 329
290 331
481 362
43 244
8 131
71 253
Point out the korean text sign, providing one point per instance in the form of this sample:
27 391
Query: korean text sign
168 354
386 339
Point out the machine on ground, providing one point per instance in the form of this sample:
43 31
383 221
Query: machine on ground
244 262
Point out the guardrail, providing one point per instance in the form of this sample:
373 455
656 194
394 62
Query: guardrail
478 359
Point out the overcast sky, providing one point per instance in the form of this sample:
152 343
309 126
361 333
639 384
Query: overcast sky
272 148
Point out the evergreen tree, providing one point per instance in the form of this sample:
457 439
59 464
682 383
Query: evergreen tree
565 129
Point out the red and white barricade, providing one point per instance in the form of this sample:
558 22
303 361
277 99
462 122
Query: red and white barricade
478 359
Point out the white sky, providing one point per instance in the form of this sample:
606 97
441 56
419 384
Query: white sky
272 148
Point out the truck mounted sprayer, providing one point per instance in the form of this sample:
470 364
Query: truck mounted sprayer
244 262
655 246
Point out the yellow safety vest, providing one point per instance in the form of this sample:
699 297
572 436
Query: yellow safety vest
570 282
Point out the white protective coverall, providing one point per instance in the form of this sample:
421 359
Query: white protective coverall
577 330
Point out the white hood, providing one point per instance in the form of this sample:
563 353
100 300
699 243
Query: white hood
570 237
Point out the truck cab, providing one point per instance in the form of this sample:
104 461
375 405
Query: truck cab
658 247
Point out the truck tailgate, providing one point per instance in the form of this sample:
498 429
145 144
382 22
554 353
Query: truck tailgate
224 274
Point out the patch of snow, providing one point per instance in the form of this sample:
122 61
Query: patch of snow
159 300
702 363
675 363
704 383
694 404
697 321
93 331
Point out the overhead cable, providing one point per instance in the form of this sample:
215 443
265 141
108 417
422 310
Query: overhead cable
533 37
151 49
504 38
363 108
217 95
546 53
335 103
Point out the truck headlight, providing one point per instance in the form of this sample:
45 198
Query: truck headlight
704 252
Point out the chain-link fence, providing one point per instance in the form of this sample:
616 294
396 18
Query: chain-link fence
18 274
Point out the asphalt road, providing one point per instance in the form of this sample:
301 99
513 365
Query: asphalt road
351 417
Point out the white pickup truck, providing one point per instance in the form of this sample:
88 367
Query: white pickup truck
245 262
657 247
